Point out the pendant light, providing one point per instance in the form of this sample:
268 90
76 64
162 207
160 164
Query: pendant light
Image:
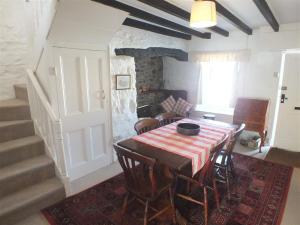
203 14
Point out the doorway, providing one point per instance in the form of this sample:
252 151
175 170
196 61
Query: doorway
287 113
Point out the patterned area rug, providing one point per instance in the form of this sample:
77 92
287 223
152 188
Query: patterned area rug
260 197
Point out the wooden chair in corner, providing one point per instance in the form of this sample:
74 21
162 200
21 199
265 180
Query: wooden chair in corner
143 183
204 179
167 118
254 113
224 163
145 125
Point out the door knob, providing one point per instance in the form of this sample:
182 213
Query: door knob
100 95
103 94
283 98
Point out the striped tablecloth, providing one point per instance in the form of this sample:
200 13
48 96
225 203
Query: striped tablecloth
196 148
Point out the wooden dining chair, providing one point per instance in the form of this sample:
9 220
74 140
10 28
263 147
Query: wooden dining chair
224 163
143 183
167 118
204 179
145 125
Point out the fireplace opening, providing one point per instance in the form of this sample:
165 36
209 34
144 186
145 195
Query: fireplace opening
150 79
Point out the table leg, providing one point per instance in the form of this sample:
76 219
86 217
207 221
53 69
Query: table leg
263 136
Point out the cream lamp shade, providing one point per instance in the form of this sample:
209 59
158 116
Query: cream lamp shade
203 14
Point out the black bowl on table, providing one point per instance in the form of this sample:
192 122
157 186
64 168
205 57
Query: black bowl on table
188 129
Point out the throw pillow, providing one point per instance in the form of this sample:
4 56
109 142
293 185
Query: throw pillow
168 104
182 107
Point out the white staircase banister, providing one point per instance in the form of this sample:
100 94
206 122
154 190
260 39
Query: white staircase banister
42 95
47 125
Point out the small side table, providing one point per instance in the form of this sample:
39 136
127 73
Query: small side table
209 116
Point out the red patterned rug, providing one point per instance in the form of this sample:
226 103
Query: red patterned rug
262 189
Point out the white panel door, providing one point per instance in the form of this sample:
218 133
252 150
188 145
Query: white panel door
288 124
83 92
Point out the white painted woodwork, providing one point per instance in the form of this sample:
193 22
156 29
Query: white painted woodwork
39 15
84 106
46 124
71 67
85 23
288 124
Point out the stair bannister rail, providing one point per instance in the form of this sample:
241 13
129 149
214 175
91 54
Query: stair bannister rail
46 123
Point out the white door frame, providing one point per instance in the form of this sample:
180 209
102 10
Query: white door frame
281 76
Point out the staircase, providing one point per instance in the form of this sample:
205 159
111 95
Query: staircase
27 175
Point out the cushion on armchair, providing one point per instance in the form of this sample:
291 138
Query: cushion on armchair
182 107
168 104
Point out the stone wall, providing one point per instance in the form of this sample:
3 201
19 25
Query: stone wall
149 72
13 46
124 102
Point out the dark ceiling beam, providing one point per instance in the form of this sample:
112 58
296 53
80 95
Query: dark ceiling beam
153 19
265 10
180 13
153 52
233 19
156 29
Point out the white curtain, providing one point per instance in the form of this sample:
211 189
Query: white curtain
234 56
219 76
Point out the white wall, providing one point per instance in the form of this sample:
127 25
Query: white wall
124 101
180 75
258 74
23 29
13 46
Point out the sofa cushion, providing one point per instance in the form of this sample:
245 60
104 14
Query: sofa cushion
182 107
168 104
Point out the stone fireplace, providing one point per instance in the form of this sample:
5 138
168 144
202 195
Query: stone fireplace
149 76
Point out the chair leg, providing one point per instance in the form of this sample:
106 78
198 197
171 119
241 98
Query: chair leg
171 196
146 213
227 183
262 135
232 169
205 207
216 194
125 202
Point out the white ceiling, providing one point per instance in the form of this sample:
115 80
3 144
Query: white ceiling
285 11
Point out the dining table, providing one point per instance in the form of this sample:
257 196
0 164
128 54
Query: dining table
179 153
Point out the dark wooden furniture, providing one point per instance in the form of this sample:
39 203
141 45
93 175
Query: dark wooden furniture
145 125
174 162
204 179
254 113
167 118
175 93
153 107
143 183
224 164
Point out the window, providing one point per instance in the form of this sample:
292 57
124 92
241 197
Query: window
217 83
220 81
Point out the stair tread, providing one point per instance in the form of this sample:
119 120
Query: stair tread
13 103
31 194
8 145
20 85
14 122
24 166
